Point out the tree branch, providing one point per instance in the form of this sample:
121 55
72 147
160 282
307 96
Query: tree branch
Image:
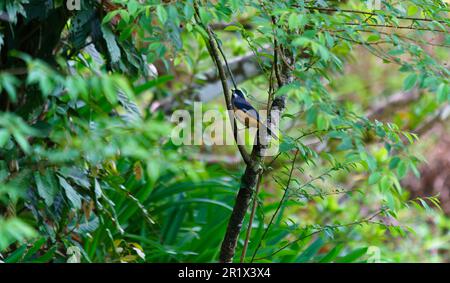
394 27
323 9
280 204
248 185
367 219
213 50
250 222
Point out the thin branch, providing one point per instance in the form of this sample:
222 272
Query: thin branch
275 58
255 198
225 60
280 204
249 180
223 78
322 9
393 27
322 194
305 134
362 221
250 222
317 178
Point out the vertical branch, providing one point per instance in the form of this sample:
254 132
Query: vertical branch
250 179
214 53
249 182
255 197
254 161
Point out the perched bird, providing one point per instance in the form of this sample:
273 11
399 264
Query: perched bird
246 113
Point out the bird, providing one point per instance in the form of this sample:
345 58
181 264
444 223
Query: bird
246 113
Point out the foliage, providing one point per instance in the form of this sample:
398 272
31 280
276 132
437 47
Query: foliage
87 169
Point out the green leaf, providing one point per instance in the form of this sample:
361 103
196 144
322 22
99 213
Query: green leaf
311 250
442 93
205 16
287 144
322 122
402 169
374 178
4 137
17 255
14 229
425 204
410 82
71 194
156 82
412 10
125 16
353 256
294 21
385 183
346 144
9 83
332 254
109 90
46 257
232 28
373 38
35 248
109 16
113 48
161 13
394 162
22 141
188 11
46 186
133 6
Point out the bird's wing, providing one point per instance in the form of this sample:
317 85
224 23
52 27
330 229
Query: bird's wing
242 104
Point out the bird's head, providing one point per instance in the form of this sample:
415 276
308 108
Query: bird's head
238 92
